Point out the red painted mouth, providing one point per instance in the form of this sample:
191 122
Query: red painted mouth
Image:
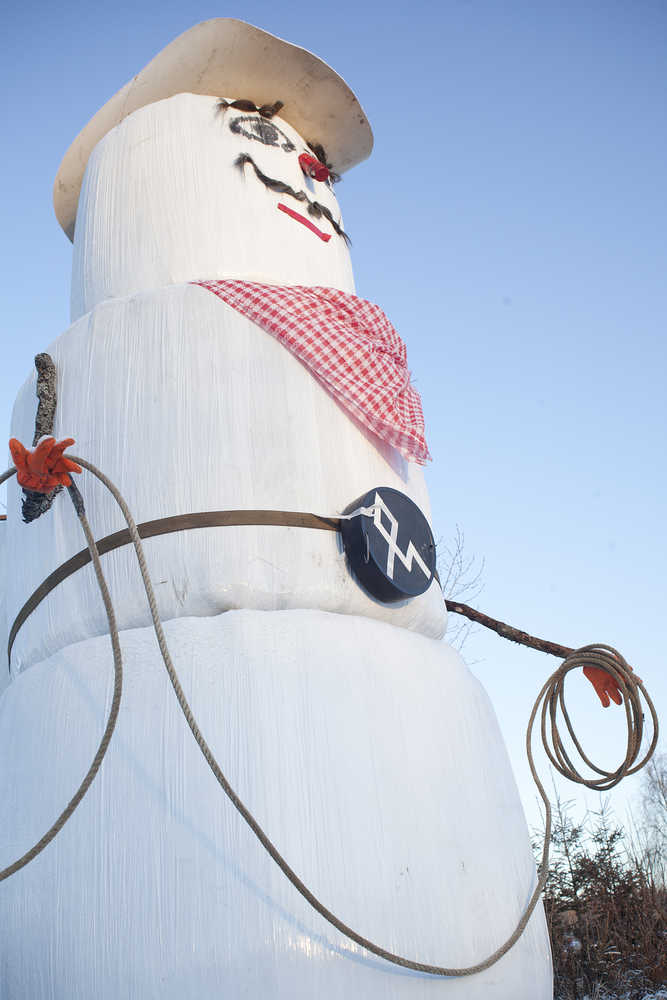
304 222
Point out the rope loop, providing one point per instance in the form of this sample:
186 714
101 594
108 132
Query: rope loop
551 699
602 657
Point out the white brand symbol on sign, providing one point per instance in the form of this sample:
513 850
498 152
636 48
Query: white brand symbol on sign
390 538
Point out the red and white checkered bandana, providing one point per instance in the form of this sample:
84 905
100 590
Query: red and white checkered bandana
350 347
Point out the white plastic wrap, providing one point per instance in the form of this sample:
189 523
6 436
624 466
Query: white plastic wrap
188 406
4 673
370 755
162 202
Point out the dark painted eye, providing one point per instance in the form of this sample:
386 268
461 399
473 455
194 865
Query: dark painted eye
256 127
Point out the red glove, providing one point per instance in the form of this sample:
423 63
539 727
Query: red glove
44 468
605 685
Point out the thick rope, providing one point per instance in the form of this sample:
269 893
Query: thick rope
553 694
115 701
551 697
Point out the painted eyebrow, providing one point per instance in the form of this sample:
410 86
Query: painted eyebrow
314 207
266 110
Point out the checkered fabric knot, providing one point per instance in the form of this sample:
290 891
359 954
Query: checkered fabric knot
349 345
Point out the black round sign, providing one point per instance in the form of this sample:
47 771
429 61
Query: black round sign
389 544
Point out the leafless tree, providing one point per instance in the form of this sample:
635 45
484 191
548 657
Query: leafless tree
460 577
654 813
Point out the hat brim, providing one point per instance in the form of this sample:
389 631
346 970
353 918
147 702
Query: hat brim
225 57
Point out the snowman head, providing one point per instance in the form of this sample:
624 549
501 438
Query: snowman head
211 163
182 190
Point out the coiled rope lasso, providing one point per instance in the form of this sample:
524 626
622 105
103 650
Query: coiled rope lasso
550 700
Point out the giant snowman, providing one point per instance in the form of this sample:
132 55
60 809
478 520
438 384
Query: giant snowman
358 739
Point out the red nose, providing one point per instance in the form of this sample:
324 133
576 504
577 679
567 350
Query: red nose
312 167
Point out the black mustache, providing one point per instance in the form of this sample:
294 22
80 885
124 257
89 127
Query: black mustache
314 207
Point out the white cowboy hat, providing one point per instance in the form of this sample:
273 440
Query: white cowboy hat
229 58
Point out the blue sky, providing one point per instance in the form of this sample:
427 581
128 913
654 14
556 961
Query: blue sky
511 222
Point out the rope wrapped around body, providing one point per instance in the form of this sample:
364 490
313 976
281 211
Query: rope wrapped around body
549 702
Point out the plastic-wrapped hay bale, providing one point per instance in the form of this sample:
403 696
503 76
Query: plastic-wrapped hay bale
195 408
370 755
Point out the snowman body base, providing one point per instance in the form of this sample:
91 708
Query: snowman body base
369 754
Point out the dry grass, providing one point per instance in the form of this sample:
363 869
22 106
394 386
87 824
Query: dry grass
606 907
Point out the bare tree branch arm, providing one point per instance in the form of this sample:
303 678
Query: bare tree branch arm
508 631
